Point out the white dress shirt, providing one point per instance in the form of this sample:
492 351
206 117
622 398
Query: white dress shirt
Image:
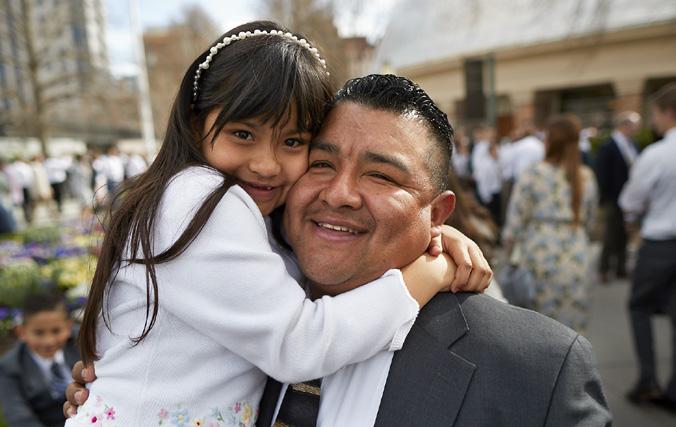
56 169
651 189
525 153
45 364
486 170
626 147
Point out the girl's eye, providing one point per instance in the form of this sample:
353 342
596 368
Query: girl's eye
293 143
242 134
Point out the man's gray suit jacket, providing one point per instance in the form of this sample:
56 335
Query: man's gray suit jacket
470 360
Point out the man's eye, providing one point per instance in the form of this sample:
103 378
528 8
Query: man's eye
293 143
320 164
242 134
381 176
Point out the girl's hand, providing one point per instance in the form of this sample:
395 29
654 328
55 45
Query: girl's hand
473 273
76 392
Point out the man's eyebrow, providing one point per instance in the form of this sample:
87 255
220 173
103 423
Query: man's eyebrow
324 146
386 159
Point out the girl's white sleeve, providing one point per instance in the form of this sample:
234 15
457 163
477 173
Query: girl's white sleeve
231 286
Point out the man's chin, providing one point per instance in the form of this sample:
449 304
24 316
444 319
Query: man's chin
326 281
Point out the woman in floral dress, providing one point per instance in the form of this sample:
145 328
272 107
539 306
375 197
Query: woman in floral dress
549 216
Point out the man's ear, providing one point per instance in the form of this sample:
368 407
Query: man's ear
442 207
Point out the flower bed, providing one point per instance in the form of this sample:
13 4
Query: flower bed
36 259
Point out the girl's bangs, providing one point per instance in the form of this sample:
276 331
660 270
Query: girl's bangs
272 86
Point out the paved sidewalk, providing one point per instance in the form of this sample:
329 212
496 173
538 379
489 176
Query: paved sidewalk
610 336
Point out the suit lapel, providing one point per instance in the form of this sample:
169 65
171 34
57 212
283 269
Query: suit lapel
34 381
427 382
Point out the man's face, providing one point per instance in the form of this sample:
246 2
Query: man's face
367 202
663 120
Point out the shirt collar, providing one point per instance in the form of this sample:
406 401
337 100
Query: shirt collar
670 134
620 138
46 364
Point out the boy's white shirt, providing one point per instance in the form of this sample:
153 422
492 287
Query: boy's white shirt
211 335
45 364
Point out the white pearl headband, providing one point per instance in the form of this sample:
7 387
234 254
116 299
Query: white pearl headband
241 36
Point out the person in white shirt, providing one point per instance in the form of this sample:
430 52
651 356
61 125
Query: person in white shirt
613 162
23 173
650 195
191 275
56 168
111 167
487 172
525 152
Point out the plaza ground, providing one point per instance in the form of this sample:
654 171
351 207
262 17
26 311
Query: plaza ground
610 336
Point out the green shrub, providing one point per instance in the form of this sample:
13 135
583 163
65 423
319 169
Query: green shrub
17 280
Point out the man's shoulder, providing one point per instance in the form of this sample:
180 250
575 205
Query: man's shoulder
492 324
608 145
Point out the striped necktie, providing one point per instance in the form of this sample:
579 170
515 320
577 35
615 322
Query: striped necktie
300 406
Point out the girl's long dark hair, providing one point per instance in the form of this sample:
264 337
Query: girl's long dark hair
562 149
264 77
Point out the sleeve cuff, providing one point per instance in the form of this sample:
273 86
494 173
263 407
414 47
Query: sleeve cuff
412 305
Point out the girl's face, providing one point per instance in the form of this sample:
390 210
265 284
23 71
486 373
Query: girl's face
266 160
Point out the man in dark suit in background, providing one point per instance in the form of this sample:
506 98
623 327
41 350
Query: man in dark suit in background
35 372
613 162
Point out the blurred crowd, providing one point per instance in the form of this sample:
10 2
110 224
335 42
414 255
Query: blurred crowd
532 197
87 178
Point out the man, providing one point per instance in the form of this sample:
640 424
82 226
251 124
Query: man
374 190
651 194
377 173
613 162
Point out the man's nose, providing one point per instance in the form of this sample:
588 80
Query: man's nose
264 163
342 191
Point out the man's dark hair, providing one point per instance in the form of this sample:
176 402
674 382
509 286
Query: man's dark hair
400 95
43 301
665 98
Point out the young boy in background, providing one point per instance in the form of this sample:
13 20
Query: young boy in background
35 372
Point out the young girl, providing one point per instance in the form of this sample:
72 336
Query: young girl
192 303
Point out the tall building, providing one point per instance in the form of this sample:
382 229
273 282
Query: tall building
52 55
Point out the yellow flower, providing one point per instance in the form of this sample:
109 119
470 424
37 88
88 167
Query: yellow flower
247 412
